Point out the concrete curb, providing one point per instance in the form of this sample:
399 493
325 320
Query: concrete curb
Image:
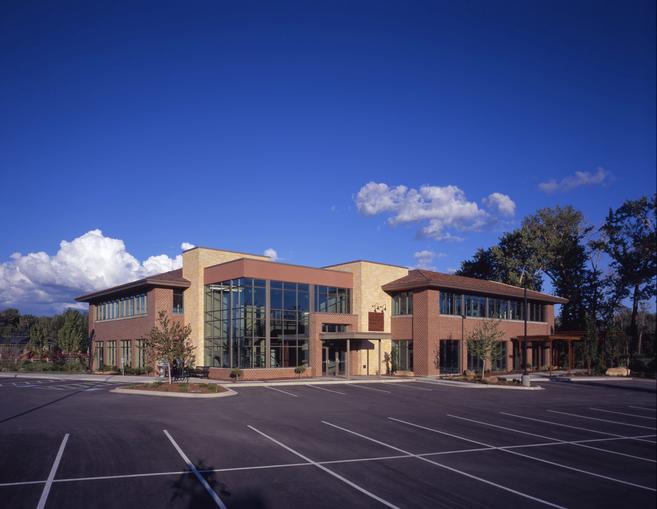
241 385
122 390
469 385
571 379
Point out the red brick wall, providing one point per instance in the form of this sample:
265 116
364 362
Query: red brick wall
158 299
426 327
257 373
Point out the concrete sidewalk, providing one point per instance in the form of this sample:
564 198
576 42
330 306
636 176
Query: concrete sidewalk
128 379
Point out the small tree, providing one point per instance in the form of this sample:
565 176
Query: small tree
483 343
38 344
170 342
71 335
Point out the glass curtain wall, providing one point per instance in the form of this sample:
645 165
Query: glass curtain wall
290 307
236 316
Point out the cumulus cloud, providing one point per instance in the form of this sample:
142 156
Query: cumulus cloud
580 178
185 246
442 209
500 203
39 282
424 259
271 252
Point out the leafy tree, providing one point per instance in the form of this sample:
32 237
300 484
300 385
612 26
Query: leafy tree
71 335
38 344
483 265
629 237
557 238
169 341
589 347
483 343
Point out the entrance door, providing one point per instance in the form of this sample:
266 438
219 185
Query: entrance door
334 358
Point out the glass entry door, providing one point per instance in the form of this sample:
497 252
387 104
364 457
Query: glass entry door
334 355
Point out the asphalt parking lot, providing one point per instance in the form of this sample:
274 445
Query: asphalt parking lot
372 445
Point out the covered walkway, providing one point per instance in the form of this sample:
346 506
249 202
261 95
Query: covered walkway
546 352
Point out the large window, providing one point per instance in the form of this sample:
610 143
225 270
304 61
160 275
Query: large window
289 311
177 302
124 307
334 327
450 356
141 354
111 353
329 299
126 352
402 303
490 307
236 324
99 355
402 355
451 303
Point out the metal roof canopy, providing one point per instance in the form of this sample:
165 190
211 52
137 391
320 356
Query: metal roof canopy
354 335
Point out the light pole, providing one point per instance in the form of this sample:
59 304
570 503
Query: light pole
525 374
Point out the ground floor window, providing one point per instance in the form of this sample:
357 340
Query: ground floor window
126 352
474 363
499 364
402 355
111 353
141 353
450 356
288 353
99 355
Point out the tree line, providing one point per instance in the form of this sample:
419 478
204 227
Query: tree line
598 269
60 338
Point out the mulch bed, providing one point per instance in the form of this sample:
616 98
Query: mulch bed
179 387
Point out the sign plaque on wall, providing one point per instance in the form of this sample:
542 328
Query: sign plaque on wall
375 321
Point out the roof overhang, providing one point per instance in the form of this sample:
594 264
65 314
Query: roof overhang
145 283
570 336
373 336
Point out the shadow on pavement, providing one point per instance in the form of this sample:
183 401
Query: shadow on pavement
189 491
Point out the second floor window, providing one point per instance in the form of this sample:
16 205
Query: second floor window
402 303
177 302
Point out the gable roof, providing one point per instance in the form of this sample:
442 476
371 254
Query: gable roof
171 279
419 279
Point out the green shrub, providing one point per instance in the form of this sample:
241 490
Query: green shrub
236 373
300 370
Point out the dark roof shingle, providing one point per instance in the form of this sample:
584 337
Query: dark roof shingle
419 278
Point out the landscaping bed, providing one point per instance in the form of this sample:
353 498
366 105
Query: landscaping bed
190 388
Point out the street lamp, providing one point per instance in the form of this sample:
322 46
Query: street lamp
525 374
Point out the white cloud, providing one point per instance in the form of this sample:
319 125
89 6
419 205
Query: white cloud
443 208
580 178
424 259
39 282
500 203
271 252
185 246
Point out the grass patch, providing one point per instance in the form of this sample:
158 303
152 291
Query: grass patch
178 387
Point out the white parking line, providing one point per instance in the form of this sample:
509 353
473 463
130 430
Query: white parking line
281 390
623 413
325 389
192 467
642 408
359 386
601 420
533 458
574 427
51 475
409 385
327 470
577 443
451 469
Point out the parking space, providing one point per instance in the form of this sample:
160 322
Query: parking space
334 445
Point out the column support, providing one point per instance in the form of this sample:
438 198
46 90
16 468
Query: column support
378 371
348 366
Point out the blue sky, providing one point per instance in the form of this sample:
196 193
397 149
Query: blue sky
255 125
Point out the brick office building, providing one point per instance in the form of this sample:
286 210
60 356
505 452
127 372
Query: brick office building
355 318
